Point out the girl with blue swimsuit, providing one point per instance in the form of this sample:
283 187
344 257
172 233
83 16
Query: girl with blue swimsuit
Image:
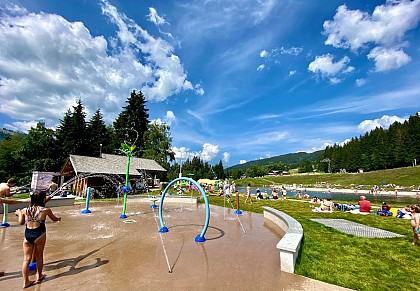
34 218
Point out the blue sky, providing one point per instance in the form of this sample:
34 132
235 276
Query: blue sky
235 80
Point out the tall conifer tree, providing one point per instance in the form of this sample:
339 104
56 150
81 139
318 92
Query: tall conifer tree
134 118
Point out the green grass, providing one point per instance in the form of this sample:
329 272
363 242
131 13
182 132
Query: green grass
346 260
405 177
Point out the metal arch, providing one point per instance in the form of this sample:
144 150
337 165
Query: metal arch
200 237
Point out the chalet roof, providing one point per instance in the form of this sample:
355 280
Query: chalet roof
112 164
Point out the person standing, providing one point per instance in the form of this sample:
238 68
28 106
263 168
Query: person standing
34 217
415 222
248 193
226 189
52 187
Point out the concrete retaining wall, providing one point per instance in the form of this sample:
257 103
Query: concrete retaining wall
289 245
56 201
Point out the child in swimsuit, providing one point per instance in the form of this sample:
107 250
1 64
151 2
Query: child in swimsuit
35 234
415 222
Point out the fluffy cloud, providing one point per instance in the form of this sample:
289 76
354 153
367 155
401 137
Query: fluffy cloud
386 27
384 122
207 154
21 126
263 53
226 157
325 67
77 65
388 59
168 119
387 24
182 153
242 162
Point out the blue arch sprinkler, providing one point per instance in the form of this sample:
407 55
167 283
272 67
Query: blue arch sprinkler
163 228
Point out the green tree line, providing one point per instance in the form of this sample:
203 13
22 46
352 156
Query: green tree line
197 169
379 149
397 146
46 149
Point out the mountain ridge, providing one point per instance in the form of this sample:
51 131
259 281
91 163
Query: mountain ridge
288 159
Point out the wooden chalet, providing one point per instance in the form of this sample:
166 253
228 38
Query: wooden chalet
107 165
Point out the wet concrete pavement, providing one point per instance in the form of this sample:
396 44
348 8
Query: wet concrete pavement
99 251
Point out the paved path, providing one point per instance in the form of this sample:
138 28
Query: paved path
357 229
98 251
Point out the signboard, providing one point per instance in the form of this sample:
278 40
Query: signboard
41 180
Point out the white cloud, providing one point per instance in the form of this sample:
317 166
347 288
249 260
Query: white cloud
14 9
388 59
384 122
77 65
360 82
291 73
335 80
21 126
181 153
263 53
155 18
294 51
346 141
386 26
274 54
209 152
168 119
325 67
226 157
322 147
158 20
242 162
261 67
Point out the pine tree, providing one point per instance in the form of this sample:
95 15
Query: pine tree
71 133
132 122
99 135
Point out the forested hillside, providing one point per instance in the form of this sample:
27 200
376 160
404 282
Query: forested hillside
291 160
397 146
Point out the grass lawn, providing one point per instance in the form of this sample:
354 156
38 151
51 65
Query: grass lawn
346 260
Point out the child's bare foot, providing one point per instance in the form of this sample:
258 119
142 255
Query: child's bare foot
28 284
40 279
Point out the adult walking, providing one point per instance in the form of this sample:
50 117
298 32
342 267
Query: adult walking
248 193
